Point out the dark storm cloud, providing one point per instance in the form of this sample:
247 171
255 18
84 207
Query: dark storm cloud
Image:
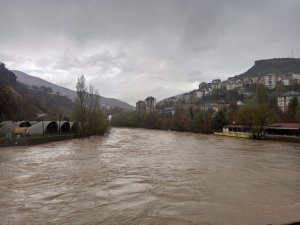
133 48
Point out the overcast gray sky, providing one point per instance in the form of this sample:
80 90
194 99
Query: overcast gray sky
130 49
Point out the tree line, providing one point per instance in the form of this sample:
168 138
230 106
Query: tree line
255 114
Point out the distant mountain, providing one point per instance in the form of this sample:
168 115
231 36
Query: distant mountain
35 81
277 66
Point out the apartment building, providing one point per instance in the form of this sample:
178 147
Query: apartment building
150 103
284 99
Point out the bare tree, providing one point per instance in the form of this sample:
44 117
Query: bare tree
88 110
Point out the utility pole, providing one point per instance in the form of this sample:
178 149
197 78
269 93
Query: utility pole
59 130
43 126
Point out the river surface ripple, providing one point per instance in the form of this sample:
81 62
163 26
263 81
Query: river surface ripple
137 176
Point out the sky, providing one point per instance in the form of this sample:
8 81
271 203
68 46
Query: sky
131 49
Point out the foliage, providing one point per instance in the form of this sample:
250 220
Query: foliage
290 114
219 120
232 96
8 104
202 122
15 107
181 121
261 94
297 116
255 117
88 111
231 114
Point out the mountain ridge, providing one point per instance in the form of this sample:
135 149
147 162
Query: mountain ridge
275 65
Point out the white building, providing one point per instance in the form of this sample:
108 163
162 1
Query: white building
200 94
270 80
296 77
254 80
216 84
234 84
284 99
150 103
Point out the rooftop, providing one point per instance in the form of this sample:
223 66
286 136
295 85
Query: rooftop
150 98
290 93
284 126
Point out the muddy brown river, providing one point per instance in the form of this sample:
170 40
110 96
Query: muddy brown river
138 176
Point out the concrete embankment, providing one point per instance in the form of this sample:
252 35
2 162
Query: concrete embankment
283 138
35 140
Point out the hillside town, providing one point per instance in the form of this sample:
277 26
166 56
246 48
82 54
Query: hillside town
242 85
264 101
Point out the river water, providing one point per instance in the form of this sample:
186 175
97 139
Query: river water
137 176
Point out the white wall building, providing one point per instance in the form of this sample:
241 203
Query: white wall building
150 103
284 99
216 84
200 94
234 84
271 80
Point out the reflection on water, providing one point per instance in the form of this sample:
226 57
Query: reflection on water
137 176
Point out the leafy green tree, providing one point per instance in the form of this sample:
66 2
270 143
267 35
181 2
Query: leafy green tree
232 96
231 113
13 106
120 119
181 121
290 115
8 104
202 122
279 90
261 94
219 120
255 117
137 118
297 116
152 120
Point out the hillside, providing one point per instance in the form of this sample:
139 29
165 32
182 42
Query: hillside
277 66
6 76
15 104
35 81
